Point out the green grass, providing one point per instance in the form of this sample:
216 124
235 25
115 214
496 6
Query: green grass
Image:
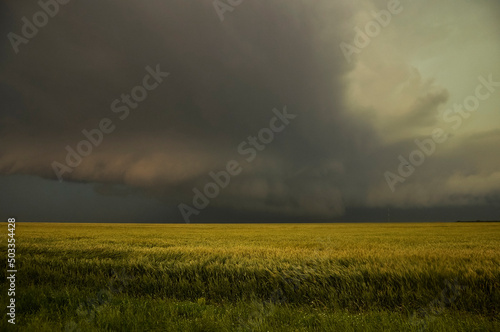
254 277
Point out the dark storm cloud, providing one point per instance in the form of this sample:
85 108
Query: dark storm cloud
225 79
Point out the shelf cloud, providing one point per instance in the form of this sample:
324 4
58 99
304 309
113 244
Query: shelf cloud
146 99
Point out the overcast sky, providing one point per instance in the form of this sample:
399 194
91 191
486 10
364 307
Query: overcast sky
357 113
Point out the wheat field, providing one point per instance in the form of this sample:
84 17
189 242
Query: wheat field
257 277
